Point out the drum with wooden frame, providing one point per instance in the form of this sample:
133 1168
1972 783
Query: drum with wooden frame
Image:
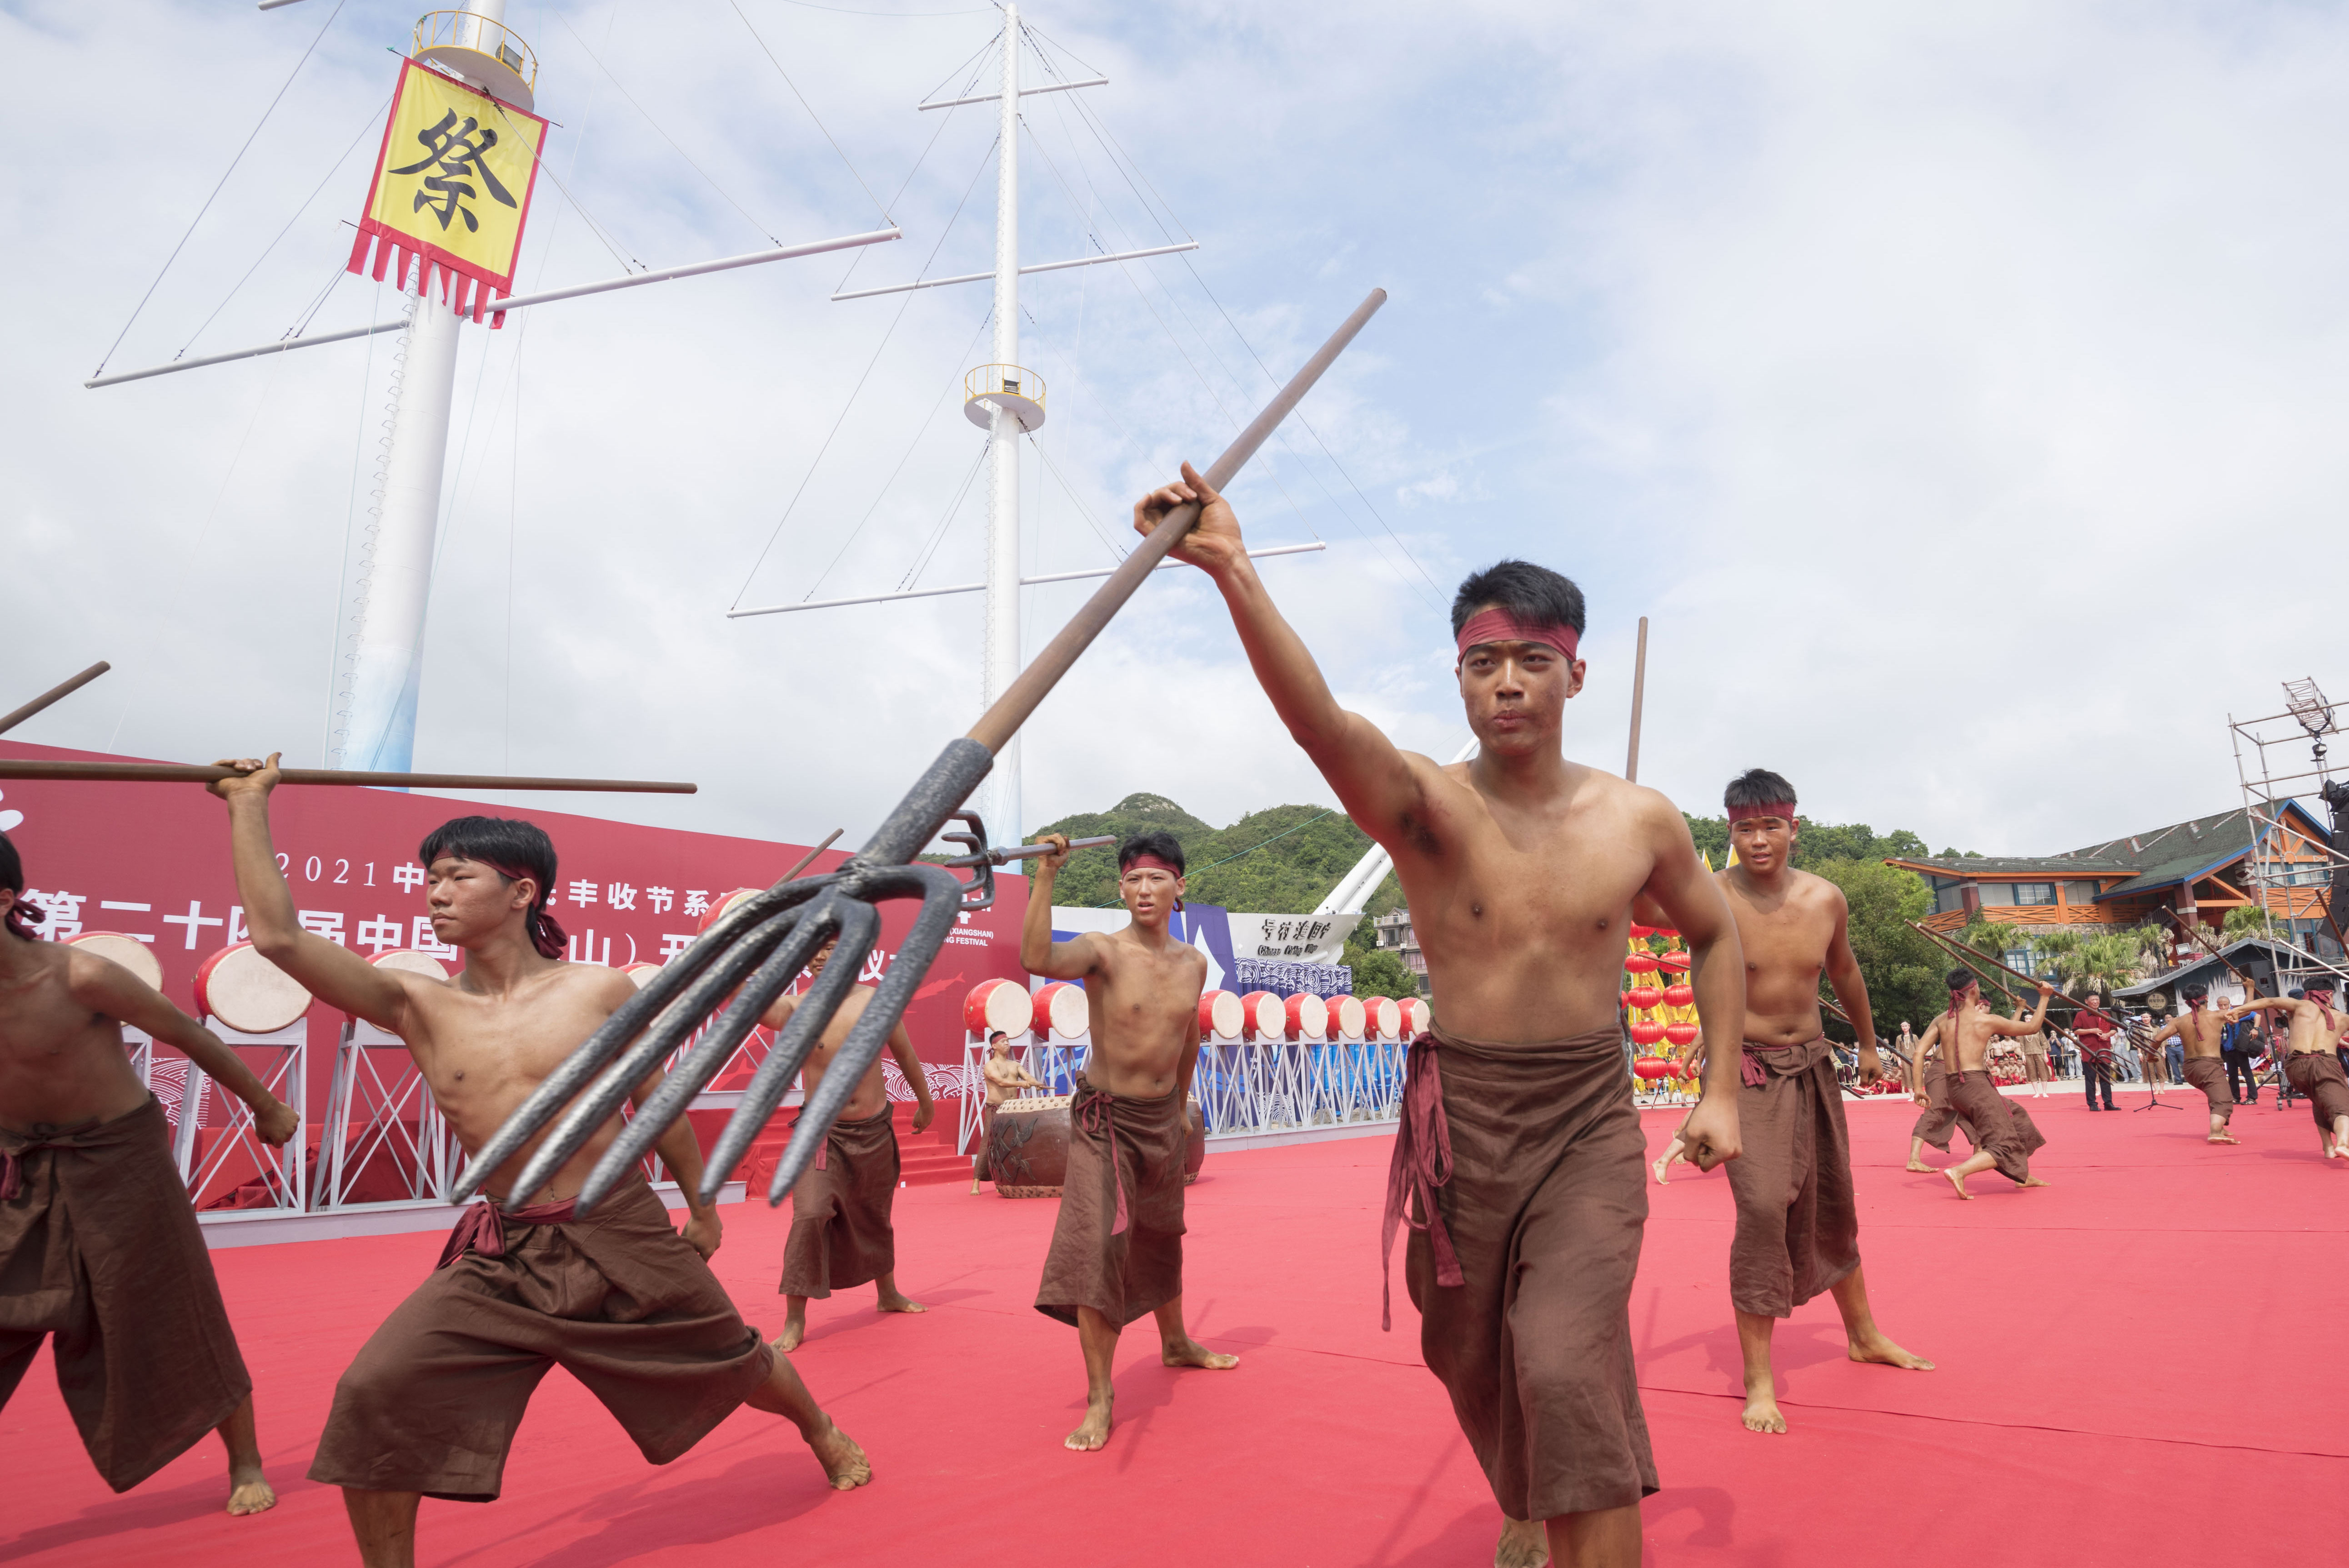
1028 1146
997 1004
415 961
1060 1012
1348 1018
239 988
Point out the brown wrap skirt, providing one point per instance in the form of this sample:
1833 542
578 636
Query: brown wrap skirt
619 1300
1117 1246
1523 1169
841 1234
2209 1074
99 1246
1999 1127
1798 1222
1939 1120
2318 1074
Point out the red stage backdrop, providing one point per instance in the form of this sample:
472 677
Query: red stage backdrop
152 860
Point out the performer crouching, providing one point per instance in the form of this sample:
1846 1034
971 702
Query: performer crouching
2002 1131
1117 1246
621 1301
841 1230
2312 1065
1798 1220
1520 1153
2202 1032
98 1244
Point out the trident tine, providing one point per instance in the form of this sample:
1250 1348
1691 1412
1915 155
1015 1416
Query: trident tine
578 1122
941 897
860 927
711 1052
590 1057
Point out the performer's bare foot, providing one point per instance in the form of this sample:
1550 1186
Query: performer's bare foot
1958 1182
2222 1137
1092 1432
1761 1413
1921 1168
892 1299
248 1492
1660 1168
1189 1352
844 1464
2030 1182
794 1328
1873 1346
1524 1543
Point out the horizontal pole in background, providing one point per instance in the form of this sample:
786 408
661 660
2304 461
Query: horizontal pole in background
983 97
519 302
1024 272
193 773
981 588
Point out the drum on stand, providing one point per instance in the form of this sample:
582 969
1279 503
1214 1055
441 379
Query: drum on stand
238 987
128 952
411 960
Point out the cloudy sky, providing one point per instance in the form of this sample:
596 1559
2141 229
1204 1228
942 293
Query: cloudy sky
1956 390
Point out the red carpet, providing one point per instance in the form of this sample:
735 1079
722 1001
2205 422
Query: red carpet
2139 1365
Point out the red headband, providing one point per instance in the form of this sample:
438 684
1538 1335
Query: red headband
1147 861
1785 808
1500 626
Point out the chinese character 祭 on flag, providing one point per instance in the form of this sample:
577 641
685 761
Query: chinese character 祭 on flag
452 190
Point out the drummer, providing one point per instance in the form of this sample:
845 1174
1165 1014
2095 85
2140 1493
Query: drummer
1117 1246
1005 1077
621 1300
90 1194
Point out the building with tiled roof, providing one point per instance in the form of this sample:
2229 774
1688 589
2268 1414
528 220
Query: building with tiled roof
2197 870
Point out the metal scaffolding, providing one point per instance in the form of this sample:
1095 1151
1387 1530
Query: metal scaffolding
2306 720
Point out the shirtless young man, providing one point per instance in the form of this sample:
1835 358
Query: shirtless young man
431 1402
2313 1065
1797 1219
841 1234
2201 1031
1117 1247
2002 1131
98 1244
1929 1085
1522 868
1005 1077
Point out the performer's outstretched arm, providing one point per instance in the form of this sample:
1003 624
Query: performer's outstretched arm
1686 891
1851 991
108 987
328 970
901 1046
680 1151
1039 954
1375 781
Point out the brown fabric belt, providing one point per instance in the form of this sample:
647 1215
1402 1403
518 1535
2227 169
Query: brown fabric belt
481 1228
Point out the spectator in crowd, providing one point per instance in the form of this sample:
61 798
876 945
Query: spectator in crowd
2095 1034
2241 1045
2173 1059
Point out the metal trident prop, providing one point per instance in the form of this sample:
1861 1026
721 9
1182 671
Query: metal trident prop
759 947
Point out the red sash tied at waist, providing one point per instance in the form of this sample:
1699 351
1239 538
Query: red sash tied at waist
481 1228
1422 1163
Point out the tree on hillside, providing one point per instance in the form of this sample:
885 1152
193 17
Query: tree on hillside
1279 861
1382 973
1902 968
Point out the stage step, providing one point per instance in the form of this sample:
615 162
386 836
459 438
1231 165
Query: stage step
925 1159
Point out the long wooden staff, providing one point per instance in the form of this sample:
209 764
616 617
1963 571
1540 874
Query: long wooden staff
190 773
1973 955
2192 930
63 689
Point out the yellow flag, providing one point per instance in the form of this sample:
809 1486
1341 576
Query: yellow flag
452 191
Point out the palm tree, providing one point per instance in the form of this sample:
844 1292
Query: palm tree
2152 945
2061 949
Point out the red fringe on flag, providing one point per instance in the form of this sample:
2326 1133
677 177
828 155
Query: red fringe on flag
466 293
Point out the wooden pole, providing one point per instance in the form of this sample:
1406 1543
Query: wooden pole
1966 952
64 689
809 858
1638 696
190 773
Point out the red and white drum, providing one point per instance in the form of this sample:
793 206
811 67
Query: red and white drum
412 960
1305 1017
128 952
1060 1010
994 1004
723 902
1348 1017
1382 1017
1262 1017
640 975
1220 1015
237 987
1415 1017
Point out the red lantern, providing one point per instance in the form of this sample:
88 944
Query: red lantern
1641 964
1653 1067
1679 996
1647 1033
1669 934
1671 960
1642 997
1641 933
1680 1034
